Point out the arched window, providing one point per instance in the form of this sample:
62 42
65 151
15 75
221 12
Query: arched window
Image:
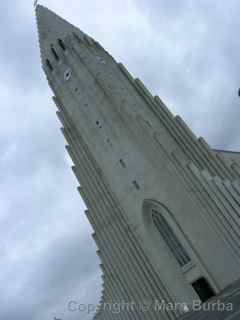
170 238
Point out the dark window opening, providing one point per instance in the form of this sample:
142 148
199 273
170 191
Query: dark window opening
122 163
136 185
50 67
61 44
98 124
109 142
76 89
203 289
55 53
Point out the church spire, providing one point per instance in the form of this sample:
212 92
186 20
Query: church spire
51 28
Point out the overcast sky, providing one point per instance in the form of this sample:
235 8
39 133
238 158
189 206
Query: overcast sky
187 52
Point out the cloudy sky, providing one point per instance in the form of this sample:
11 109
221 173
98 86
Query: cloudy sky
185 51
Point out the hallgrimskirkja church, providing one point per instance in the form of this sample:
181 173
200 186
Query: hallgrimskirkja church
164 206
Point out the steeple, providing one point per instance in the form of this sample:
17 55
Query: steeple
51 27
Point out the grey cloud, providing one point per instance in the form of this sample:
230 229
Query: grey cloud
18 56
198 63
53 279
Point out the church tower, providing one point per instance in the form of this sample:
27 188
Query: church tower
164 206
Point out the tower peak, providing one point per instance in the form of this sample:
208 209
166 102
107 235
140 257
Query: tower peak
51 27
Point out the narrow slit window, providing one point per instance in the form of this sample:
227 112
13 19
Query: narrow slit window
49 65
54 53
136 185
98 124
170 239
122 162
61 44
67 74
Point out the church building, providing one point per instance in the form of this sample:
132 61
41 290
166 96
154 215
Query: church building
164 206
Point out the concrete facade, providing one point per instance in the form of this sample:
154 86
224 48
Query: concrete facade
135 161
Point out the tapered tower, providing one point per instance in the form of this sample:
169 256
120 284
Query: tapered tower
164 206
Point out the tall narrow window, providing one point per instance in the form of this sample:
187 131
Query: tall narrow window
61 44
48 63
170 238
54 53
